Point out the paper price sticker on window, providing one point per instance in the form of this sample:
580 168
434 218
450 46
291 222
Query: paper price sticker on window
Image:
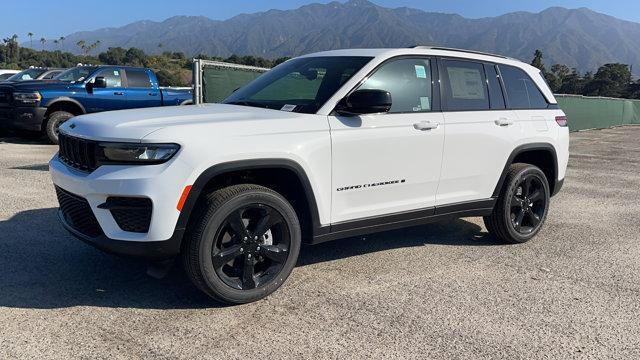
288 107
421 72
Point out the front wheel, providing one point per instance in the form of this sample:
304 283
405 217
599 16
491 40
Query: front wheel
54 120
522 206
243 243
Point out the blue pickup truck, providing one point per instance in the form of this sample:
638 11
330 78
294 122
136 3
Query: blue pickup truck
43 105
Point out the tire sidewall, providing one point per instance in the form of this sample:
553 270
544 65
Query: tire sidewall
511 189
205 250
54 120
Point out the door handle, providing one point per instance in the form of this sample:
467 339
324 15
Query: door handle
425 125
153 94
504 122
119 93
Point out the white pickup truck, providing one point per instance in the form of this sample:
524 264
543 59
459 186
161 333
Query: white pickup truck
324 146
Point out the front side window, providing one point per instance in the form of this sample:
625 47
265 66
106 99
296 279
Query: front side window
299 85
138 78
76 74
465 87
408 81
522 92
112 76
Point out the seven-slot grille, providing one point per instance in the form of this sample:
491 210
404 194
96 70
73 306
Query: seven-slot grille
77 213
77 153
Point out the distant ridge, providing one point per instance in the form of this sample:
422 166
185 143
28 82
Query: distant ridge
577 37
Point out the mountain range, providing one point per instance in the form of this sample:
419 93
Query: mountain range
579 38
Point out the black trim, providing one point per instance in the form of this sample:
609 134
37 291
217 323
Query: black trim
204 178
403 219
151 250
66 99
524 148
557 187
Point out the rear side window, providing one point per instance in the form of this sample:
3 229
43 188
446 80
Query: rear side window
522 92
409 83
138 78
465 87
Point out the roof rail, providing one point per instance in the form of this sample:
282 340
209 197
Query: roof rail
459 50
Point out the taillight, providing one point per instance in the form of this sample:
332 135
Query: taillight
561 120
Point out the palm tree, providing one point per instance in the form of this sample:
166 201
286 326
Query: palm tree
56 42
43 41
30 35
62 38
82 45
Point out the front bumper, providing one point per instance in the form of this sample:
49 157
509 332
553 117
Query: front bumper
22 118
162 184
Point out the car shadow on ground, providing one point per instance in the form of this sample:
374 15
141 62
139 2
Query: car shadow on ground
44 267
22 138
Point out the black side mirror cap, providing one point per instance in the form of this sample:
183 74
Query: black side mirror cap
369 101
100 82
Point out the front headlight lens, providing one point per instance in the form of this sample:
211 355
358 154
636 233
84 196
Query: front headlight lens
124 153
27 97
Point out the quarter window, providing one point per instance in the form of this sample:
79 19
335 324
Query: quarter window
409 83
138 78
465 87
522 92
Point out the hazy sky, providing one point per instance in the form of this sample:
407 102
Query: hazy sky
53 18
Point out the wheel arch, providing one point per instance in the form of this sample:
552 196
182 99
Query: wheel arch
542 155
66 104
282 175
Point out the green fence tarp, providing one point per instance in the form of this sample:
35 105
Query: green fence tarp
220 82
585 112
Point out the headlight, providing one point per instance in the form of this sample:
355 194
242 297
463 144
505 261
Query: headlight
29 98
129 153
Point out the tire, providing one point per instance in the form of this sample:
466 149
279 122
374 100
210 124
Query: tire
54 120
522 206
221 254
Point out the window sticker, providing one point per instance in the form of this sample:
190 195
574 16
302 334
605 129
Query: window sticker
421 72
424 103
288 107
116 72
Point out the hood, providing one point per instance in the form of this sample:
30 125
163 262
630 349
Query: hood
33 85
134 125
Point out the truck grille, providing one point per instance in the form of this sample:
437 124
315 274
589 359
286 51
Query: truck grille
5 96
77 213
77 153
131 214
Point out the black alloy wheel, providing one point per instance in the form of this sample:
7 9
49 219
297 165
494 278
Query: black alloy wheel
528 204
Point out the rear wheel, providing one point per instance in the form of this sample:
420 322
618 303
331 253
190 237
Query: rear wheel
522 206
243 243
54 120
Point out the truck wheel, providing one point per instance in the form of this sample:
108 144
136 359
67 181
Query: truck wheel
54 120
242 244
522 206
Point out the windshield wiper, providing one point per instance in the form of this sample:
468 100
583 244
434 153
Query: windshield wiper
248 103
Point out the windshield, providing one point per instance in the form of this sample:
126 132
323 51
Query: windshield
299 85
76 74
29 74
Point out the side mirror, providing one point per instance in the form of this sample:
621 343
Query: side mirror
100 82
365 102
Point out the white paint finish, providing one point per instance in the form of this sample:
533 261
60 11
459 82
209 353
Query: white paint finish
384 147
475 151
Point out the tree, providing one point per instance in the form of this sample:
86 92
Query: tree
30 35
537 61
82 45
610 80
43 41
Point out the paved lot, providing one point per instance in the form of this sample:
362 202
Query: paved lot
445 290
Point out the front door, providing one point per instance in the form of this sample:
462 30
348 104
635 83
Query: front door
389 163
112 97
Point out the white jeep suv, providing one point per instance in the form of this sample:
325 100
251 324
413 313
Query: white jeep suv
324 146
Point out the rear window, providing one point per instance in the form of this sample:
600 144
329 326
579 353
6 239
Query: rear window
138 78
522 92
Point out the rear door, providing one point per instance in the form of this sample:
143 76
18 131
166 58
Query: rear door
390 163
140 91
479 131
109 98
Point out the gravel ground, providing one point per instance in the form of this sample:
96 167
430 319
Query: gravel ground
446 290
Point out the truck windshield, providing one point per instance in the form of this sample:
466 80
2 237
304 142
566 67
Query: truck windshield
29 74
300 85
76 74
